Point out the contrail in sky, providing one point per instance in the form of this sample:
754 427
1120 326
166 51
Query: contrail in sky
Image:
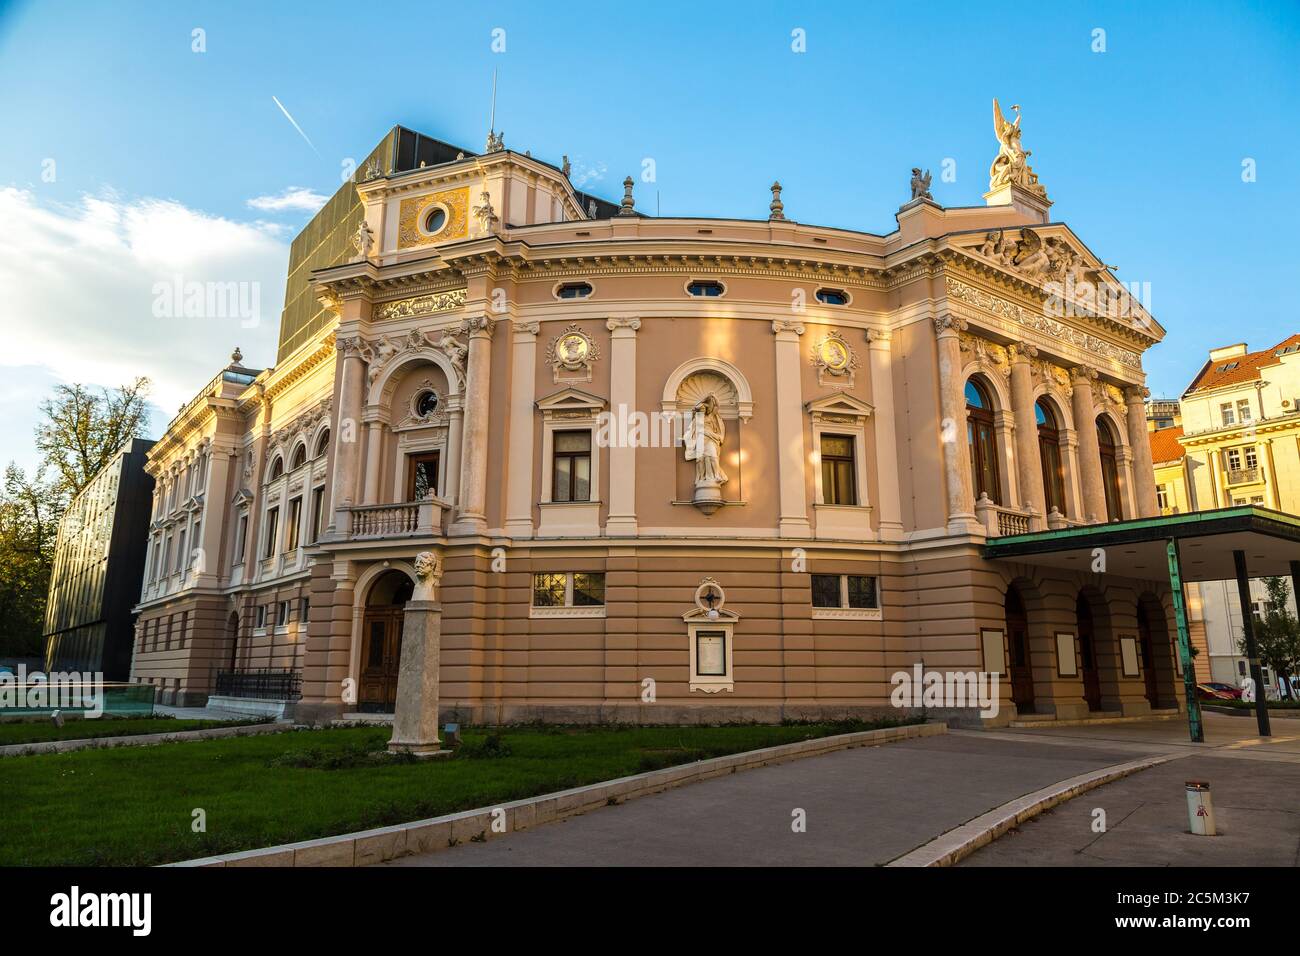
296 126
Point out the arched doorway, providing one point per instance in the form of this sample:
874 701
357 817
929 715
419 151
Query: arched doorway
1089 671
381 642
981 436
1049 451
1109 470
1022 674
1156 652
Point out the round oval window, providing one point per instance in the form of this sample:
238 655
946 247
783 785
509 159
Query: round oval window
426 404
436 219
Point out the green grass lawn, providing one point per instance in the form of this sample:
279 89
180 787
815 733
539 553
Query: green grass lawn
134 805
78 728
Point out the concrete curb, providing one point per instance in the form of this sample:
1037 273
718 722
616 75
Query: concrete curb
138 740
947 848
425 836
1273 712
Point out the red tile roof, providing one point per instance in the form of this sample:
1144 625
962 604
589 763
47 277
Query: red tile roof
1164 444
1246 368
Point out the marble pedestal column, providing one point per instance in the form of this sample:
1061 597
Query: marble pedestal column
415 719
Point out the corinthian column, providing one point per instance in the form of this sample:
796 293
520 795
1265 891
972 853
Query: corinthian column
952 426
789 431
1029 465
1085 427
1139 440
519 474
471 517
347 436
882 397
622 403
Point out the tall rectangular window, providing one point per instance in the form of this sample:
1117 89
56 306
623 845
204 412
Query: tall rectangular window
317 513
241 538
1244 413
295 521
572 476
839 477
1226 413
272 530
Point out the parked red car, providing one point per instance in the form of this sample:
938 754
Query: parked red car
1209 692
1231 691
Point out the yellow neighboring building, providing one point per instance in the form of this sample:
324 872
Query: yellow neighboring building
1235 440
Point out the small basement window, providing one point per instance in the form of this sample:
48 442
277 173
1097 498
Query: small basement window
706 287
574 290
832 297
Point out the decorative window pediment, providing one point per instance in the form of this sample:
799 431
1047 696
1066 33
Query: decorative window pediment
571 403
839 408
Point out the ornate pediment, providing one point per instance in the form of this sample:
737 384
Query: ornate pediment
839 408
570 403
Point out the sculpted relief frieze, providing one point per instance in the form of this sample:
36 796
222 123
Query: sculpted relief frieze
1010 312
421 305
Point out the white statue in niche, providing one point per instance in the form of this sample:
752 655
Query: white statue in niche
703 442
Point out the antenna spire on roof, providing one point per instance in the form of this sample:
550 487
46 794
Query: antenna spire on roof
495 142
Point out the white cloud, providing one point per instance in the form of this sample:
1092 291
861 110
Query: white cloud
295 198
88 292
584 173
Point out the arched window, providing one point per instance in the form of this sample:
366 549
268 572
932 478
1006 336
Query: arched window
323 445
1109 470
277 468
1049 451
299 457
982 440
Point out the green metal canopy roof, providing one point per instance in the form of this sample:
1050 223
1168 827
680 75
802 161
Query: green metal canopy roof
1206 540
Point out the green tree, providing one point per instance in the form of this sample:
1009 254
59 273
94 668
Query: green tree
29 523
83 429
1277 633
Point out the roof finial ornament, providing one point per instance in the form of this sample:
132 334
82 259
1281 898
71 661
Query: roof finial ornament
777 207
236 358
565 167
1011 167
628 202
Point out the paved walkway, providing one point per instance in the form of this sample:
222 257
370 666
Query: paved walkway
863 807
1254 782
872 805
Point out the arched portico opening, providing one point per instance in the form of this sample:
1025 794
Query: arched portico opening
1019 660
381 642
1098 650
1156 652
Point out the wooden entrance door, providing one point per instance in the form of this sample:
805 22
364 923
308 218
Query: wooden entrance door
381 653
1147 649
1022 674
1088 655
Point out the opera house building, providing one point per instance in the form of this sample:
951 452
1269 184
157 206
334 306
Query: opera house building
660 469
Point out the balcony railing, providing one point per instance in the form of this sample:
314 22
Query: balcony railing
260 684
1243 476
999 521
403 519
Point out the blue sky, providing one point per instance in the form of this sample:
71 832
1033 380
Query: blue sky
1141 146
